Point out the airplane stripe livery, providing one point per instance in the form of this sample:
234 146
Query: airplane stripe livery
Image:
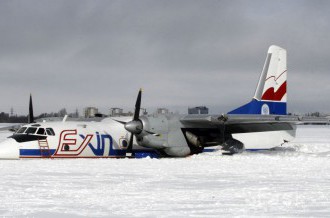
261 124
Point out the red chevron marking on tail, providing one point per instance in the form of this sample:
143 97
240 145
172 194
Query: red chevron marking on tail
274 96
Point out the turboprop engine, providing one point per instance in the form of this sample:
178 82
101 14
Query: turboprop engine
160 132
168 135
169 138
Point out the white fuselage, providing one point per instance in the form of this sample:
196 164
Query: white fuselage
71 140
105 139
265 140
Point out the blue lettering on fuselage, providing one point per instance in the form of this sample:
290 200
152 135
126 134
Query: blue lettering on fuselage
101 143
104 137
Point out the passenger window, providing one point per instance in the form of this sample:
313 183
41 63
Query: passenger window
31 130
41 131
21 130
50 131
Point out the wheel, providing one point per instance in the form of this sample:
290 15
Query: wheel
232 146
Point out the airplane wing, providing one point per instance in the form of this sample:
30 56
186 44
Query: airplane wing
240 119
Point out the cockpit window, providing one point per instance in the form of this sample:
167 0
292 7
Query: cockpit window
41 131
31 130
50 131
21 130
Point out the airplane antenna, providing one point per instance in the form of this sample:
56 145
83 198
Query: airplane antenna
64 118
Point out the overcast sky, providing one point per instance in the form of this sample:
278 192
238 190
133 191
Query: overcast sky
75 54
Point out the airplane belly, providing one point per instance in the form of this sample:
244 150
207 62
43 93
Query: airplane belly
264 140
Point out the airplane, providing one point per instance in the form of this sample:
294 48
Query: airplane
261 124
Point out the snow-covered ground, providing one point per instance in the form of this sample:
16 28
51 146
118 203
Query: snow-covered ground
293 180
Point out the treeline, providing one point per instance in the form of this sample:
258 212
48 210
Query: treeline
5 118
61 113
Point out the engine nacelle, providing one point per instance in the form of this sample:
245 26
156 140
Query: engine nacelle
150 141
170 138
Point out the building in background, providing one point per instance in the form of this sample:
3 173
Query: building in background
90 112
119 112
116 112
162 111
198 110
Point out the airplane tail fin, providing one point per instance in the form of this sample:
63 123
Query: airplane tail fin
270 96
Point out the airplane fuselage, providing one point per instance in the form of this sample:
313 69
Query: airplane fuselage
109 139
69 140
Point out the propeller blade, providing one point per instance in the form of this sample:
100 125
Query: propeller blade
122 122
129 149
31 117
138 106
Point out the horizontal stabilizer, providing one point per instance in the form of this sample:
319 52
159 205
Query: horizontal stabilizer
250 118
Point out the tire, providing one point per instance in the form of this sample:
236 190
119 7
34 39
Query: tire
233 146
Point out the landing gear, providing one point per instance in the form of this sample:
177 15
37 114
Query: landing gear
232 146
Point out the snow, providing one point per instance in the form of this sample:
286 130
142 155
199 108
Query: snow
290 181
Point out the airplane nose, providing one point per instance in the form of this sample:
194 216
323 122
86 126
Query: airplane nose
9 149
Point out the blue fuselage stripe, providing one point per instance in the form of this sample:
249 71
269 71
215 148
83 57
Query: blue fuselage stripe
33 152
116 153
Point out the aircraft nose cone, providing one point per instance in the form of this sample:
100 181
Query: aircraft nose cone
9 149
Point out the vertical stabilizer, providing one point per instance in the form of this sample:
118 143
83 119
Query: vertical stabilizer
272 82
271 94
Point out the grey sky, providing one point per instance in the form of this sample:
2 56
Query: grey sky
183 53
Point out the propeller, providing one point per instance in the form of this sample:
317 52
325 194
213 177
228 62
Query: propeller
30 117
135 126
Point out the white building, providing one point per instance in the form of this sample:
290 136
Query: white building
90 112
162 111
